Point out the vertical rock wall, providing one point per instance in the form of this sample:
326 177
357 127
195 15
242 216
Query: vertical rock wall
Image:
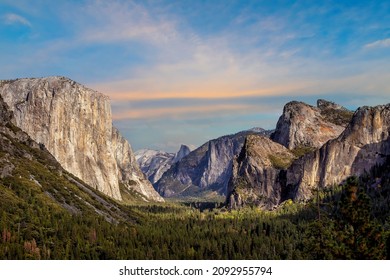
75 125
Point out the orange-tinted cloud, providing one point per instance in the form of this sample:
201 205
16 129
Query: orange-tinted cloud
214 89
177 112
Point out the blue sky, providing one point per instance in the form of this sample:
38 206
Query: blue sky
189 71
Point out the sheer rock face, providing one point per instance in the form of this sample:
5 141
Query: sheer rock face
129 172
206 169
181 153
364 143
256 173
74 123
302 125
10 138
6 115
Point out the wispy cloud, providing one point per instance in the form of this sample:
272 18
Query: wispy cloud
178 112
116 21
139 52
158 88
384 43
181 61
15 19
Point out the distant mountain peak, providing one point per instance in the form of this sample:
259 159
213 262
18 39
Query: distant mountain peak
181 153
205 171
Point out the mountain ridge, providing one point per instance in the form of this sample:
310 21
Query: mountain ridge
25 164
74 123
155 163
363 144
206 170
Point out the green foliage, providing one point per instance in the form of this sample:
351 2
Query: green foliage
302 150
33 228
41 231
347 227
339 117
129 196
280 162
46 213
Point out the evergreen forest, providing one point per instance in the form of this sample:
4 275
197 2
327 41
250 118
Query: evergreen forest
45 213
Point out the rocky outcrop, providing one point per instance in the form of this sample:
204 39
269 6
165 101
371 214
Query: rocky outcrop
16 144
259 174
129 172
261 177
74 123
363 144
302 125
205 171
155 163
31 176
6 115
256 173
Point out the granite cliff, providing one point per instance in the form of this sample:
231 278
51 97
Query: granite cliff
205 172
130 173
33 184
363 144
74 124
155 163
316 158
255 175
302 125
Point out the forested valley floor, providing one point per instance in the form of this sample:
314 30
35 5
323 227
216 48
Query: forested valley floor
350 221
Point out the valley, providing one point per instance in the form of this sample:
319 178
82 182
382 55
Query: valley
71 187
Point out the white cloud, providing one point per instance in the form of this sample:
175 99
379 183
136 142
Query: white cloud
113 21
16 19
385 43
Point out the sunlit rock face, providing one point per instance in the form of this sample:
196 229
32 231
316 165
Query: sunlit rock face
75 125
363 144
302 125
267 173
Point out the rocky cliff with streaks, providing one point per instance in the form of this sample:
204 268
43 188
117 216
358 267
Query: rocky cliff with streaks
302 125
205 172
130 173
266 175
74 124
155 163
363 144
256 173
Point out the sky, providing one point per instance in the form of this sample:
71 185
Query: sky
185 72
